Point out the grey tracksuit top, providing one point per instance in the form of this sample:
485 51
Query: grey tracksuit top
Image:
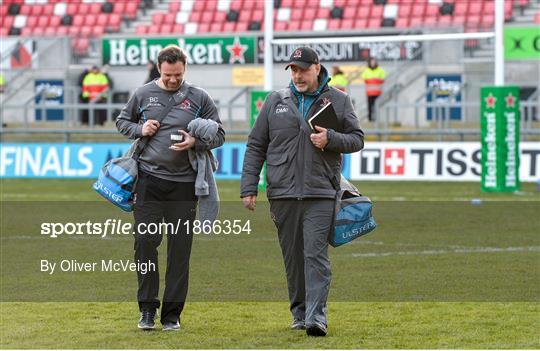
157 159
280 136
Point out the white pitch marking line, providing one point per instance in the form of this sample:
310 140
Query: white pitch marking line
441 252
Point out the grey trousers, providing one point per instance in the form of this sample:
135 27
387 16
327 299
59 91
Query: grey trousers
303 227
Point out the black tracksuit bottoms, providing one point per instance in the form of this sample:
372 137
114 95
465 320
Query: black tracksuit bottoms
163 201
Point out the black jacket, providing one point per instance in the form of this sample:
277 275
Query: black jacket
296 168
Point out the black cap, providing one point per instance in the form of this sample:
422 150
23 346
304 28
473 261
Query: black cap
303 57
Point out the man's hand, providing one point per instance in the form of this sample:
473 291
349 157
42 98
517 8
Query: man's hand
188 142
250 202
320 139
150 127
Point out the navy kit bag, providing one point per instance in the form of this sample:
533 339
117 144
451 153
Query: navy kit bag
353 215
118 177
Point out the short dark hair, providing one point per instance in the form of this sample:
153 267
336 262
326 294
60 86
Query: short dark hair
171 54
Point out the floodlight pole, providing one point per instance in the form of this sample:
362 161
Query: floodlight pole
268 36
499 43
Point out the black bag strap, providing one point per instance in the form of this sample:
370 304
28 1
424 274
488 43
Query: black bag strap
176 99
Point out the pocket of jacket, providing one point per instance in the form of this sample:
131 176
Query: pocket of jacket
276 168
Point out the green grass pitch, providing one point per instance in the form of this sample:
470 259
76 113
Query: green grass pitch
439 272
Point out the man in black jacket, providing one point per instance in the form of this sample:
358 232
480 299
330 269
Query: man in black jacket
302 167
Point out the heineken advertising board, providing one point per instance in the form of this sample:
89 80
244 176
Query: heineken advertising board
522 43
500 138
200 50
257 101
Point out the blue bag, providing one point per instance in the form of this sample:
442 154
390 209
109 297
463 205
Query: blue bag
353 215
117 180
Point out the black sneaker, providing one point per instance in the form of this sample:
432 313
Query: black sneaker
298 324
316 329
171 326
147 320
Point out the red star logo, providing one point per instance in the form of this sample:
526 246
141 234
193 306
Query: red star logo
237 51
510 100
259 103
490 101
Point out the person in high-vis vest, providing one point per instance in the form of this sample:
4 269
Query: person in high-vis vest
95 86
338 79
2 83
373 77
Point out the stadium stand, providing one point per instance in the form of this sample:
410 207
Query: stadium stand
84 20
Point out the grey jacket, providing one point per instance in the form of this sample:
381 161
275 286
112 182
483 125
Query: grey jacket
204 163
147 102
296 168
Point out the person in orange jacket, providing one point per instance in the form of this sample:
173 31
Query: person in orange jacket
373 77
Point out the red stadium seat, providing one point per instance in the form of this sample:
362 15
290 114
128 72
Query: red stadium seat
195 17
170 18
323 13
119 7
309 14
43 21
280 26
203 28
98 31
475 8
102 19
54 21
114 22
461 8
306 25
36 10
8 22
402 22
349 12
84 8
25 10
432 10
141 29
361 24
419 9
178 28
153 29
286 4
31 21
220 16
3 10
404 10
199 6
363 12
376 12
95 8
228 27
174 6
216 27
90 20
62 31
72 9
537 18
157 18
242 26
347 24
257 15
86 31
334 24
374 23
489 8
131 10
78 21
245 15
294 25
166 28
207 17
297 15
74 31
